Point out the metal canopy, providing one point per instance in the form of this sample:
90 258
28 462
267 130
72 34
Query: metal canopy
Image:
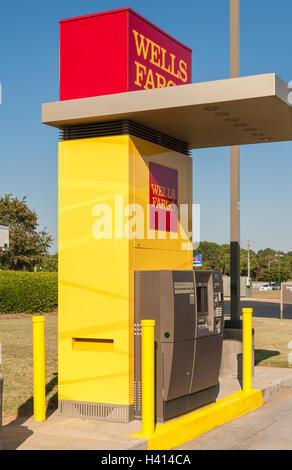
237 111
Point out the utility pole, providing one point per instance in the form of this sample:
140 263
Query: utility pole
248 259
234 178
278 257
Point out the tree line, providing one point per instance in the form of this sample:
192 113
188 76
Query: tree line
265 265
29 248
28 244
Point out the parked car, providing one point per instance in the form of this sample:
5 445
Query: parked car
266 287
276 286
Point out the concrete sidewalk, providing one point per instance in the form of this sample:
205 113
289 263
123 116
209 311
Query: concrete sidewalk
266 428
271 380
65 433
59 432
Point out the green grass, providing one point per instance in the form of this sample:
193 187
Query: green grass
17 366
271 349
272 336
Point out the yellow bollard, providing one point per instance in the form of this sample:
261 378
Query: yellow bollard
39 393
148 398
247 349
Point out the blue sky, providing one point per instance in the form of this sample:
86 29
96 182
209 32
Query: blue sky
29 38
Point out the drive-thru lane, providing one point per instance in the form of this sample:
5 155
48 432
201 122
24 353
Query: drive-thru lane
267 428
262 309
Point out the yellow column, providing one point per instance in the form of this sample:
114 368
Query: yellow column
148 400
247 349
39 394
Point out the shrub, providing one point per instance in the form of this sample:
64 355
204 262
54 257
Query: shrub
50 263
26 292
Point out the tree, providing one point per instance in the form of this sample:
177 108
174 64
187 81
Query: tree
225 259
274 275
210 254
27 245
267 264
49 263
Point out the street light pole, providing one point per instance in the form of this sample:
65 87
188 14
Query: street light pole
234 178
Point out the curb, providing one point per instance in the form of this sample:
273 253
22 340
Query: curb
272 390
268 392
185 428
141 445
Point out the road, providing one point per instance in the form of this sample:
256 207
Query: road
267 428
262 309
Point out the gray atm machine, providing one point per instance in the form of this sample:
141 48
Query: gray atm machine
187 308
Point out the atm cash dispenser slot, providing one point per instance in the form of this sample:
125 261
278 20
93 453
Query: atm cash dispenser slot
187 346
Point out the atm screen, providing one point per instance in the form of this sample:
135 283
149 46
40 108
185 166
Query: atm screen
202 299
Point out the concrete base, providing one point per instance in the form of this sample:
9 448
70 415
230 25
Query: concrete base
231 362
59 432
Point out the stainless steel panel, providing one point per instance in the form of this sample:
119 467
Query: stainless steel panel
207 363
177 368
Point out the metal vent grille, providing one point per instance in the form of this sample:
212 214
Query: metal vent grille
98 411
137 399
85 131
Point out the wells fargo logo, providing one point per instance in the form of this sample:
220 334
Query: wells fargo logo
163 198
155 66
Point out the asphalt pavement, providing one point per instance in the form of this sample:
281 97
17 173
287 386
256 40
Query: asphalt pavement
262 309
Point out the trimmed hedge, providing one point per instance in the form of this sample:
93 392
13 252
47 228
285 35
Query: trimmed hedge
26 292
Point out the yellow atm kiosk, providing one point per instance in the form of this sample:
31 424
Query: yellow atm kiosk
113 190
125 205
125 201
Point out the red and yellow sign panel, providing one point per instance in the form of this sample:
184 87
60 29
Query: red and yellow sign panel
118 51
163 198
155 59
